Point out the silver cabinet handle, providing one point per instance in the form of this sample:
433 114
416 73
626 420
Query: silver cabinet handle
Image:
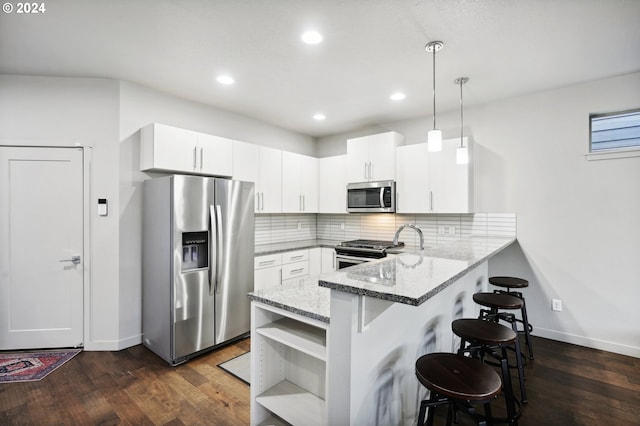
431 200
296 271
74 259
266 262
370 170
300 256
195 155
201 158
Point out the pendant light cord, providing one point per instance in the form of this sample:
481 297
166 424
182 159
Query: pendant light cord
434 88
461 116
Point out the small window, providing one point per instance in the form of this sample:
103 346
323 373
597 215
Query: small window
615 131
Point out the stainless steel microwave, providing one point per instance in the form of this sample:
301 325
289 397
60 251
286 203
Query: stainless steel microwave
371 197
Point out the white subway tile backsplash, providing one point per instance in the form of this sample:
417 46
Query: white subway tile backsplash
277 228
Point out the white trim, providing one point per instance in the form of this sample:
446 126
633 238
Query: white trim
87 157
113 345
611 154
588 342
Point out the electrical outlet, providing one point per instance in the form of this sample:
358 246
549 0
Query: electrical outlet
452 230
441 230
342 226
299 226
556 305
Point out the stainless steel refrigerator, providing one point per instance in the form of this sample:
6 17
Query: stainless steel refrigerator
197 264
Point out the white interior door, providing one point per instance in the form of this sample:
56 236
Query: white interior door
41 247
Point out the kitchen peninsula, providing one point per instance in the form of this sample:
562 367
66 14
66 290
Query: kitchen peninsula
340 348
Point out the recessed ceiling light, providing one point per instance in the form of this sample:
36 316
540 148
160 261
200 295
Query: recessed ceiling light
319 117
225 79
398 96
312 37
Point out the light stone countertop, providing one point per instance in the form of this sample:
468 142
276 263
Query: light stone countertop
412 277
264 249
409 277
304 297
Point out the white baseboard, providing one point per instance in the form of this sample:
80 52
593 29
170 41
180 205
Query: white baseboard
113 345
588 342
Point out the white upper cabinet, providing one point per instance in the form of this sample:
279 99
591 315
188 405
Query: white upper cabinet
451 183
432 182
269 185
246 161
262 165
332 184
167 148
412 179
299 183
373 158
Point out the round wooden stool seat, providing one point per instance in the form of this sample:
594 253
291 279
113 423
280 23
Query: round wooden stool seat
499 301
483 332
509 282
458 377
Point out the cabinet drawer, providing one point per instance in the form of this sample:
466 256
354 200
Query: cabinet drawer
295 256
267 261
296 269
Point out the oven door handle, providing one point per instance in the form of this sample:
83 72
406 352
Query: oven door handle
340 257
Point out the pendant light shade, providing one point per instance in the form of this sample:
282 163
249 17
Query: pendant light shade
434 137
462 153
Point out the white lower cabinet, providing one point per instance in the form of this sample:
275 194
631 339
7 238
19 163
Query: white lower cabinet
288 367
274 269
328 260
267 271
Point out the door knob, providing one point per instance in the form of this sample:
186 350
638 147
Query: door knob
74 259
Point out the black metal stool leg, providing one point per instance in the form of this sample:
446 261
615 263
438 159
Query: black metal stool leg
508 390
525 323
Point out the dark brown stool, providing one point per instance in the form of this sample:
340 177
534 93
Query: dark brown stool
480 338
512 285
456 379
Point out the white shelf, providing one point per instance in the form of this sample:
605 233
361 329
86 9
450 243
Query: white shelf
297 335
293 404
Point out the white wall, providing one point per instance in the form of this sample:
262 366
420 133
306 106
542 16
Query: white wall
140 106
62 112
106 115
578 220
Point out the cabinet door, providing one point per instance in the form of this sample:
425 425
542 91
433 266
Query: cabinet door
332 184
168 148
246 161
328 260
315 261
450 182
309 184
215 155
382 155
291 182
269 184
412 179
267 277
358 159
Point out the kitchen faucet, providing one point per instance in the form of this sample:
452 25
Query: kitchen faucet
409 225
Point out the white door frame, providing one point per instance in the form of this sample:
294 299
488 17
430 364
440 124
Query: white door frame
87 161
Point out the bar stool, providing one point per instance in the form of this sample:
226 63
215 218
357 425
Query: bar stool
498 303
511 283
456 380
480 338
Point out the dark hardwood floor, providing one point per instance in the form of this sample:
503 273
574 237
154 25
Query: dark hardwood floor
567 385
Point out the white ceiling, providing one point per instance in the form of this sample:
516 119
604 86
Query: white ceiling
371 48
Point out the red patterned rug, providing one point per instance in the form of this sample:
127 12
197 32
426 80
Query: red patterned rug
32 366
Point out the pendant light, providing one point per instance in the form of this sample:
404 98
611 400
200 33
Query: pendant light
462 153
434 137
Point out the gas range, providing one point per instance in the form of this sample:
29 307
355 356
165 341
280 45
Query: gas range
354 252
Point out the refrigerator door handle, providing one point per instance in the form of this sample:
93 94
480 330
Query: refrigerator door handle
213 251
219 245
